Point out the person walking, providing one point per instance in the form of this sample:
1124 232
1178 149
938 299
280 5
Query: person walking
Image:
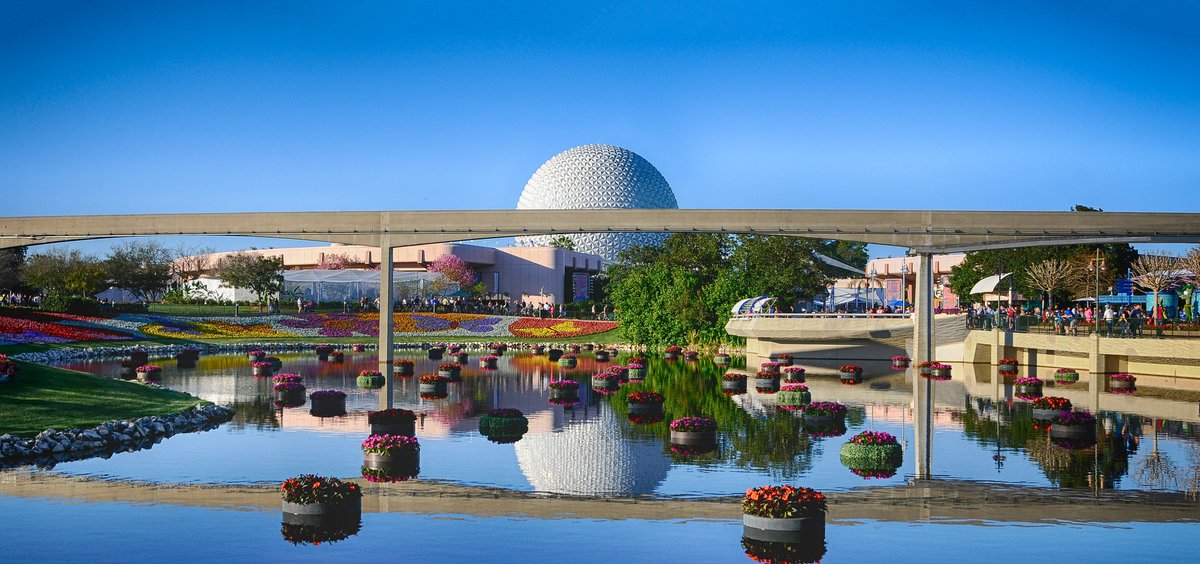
1109 316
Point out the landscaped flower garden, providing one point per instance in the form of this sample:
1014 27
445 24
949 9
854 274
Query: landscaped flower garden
20 326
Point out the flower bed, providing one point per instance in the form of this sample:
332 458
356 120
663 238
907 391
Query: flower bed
872 451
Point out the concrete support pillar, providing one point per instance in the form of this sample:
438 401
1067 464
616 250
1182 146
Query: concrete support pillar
997 354
1096 368
923 350
386 324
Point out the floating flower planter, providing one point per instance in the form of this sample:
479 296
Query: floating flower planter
873 453
733 383
452 372
589 346
370 379
793 375
605 382
286 378
504 425
691 355
939 371
554 354
488 362
391 458
825 413
697 432
785 359
1027 388
721 359
276 364
672 352
793 397
808 550
770 366
255 355
262 368
925 369
329 531
900 362
497 350
567 360
128 370
327 403
337 356
850 374
149 373
358 347
140 357
645 404
1122 383
392 422
636 372
323 351
404 368
602 356
315 500
187 358
461 357
1047 408
433 384
538 349
1007 366
783 514
435 353
564 392
1066 376
766 382
574 348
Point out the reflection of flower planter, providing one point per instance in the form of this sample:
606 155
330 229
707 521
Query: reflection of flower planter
1028 390
325 530
636 374
290 398
276 363
435 353
721 360
824 420
488 363
605 382
1069 377
1008 368
602 356
255 356
320 513
462 358
358 347
925 371
538 350
940 373
451 375
1047 414
140 357
774 529
327 406
852 377
564 395
128 370
405 428
187 358
263 369
736 386
670 356
432 387
554 354
404 369
567 362
805 550
645 409
392 466
1119 385
691 355
766 385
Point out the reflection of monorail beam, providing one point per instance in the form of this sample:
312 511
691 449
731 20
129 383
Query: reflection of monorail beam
966 503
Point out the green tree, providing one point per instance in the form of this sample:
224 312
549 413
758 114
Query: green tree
783 267
143 268
67 273
563 242
262 275
11 262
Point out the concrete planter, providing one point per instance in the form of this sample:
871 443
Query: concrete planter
796 529
900 364
774 369
823 420
851 377
1066 377
451 375
793 377
925 371
567 362
694 438
404 369
671 356
432 388
358 348
564 395
183 361
645 409
127 372
766 385
940 373
321 513
786 361
276 364
602 356
605 383
251 357
489 363
1073 432
1047 414
1008 368
435 353
1028 390
637 374
554 354
406 463
538 350
263 371
721 360
1121 384
738 386
327 407
461 357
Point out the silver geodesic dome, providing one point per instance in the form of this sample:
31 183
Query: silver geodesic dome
597 176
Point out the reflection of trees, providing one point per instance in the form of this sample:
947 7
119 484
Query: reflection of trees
1075 468
258 412
774 443
1011 428
1191 476
1156 470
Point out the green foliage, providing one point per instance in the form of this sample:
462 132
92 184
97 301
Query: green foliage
563 242
143 268
70 304
981 264
683 291
261 274
67 273
11 263
871 457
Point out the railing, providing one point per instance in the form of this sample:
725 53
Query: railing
823 315
1133 328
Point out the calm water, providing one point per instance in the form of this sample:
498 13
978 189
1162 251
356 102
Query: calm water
594 450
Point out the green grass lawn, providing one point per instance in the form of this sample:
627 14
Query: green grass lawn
42 397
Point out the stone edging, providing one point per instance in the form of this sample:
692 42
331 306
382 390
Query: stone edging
51 447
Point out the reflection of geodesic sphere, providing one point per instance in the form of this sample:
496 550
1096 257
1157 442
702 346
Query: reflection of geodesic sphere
597 177
592 458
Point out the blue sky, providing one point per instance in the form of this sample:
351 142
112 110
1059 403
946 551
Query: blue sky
140 107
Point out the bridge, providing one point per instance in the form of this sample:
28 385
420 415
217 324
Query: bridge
924 233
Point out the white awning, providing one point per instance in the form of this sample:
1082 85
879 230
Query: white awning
989 284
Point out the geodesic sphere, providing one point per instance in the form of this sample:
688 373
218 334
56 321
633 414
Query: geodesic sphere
597 177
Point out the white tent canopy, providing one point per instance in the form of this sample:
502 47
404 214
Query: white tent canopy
988 285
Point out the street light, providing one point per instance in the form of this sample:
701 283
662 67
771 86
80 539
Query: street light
903 283
1097 264
872 276
829 300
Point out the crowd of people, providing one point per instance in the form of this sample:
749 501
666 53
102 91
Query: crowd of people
545 310
1119 321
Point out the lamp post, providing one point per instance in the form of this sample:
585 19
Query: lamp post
871 286
1097 264
829 300
903 284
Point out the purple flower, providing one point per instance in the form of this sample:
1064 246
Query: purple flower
331 394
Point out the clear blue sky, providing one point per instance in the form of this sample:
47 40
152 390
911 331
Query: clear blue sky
138 107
